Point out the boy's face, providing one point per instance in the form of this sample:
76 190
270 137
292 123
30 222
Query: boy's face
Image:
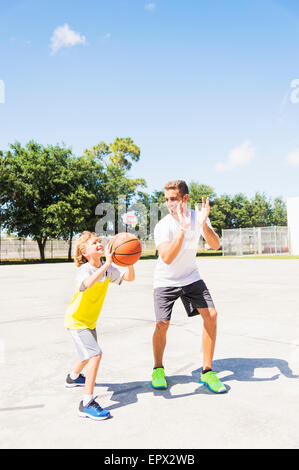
172 198
93 248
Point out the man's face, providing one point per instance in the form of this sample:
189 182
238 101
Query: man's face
172 198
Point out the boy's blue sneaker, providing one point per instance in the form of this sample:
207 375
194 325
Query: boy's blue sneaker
79 382
93 410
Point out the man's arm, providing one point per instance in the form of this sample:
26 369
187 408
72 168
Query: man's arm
211 237
169 250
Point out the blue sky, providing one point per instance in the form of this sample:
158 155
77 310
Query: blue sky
206 89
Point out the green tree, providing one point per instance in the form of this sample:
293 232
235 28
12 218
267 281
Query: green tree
279 212
221 213
46 192
32 179
198 191
74 210
260 211
116 159
240 211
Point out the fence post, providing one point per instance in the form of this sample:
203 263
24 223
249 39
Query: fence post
259 240
240 250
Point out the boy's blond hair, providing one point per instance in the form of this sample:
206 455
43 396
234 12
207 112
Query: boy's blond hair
84 237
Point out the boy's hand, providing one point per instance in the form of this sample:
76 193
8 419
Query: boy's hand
129 274
109 253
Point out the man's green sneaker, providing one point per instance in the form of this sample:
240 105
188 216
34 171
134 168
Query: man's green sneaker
158 378
211 380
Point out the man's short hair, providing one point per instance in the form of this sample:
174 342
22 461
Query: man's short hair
178 184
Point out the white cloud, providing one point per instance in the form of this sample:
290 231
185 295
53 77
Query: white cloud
238 156
63 36
107 36
293 158
150 6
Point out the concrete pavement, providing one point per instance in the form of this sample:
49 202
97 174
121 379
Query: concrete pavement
257 357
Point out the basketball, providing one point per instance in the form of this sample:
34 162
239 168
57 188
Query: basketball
127 249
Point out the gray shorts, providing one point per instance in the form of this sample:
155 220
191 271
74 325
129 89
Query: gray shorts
193 296
86 343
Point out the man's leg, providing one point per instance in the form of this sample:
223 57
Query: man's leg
209 316
208 376
159 342
164 298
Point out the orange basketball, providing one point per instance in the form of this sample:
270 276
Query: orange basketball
127 249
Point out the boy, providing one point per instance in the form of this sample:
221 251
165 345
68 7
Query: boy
93 277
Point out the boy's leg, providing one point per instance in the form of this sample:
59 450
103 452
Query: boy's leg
91 374
75 378
88 348
80 366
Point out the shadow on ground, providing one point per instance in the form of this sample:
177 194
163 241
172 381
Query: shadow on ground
242 369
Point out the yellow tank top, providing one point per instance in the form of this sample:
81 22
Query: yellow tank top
84 309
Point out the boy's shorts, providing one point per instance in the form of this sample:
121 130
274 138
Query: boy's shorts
86 343
193 296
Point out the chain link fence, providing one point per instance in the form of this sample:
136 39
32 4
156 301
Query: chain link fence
255 241
20 249
26 248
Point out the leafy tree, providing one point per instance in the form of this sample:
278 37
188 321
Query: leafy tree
46 192
32 179
221 213
116 159
279 212
157 197
240 211
198 191
75 208
260 211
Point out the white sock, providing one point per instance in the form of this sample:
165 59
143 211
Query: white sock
87 399
74 376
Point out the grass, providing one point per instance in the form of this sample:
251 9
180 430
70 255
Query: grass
209 253
35 261
263 257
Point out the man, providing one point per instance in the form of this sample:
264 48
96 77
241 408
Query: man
176 275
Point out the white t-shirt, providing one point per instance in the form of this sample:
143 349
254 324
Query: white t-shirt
183 270
86 269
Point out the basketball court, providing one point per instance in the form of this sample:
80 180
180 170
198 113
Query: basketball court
257 357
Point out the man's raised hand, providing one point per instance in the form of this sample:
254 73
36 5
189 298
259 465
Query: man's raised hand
203 213
184 215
